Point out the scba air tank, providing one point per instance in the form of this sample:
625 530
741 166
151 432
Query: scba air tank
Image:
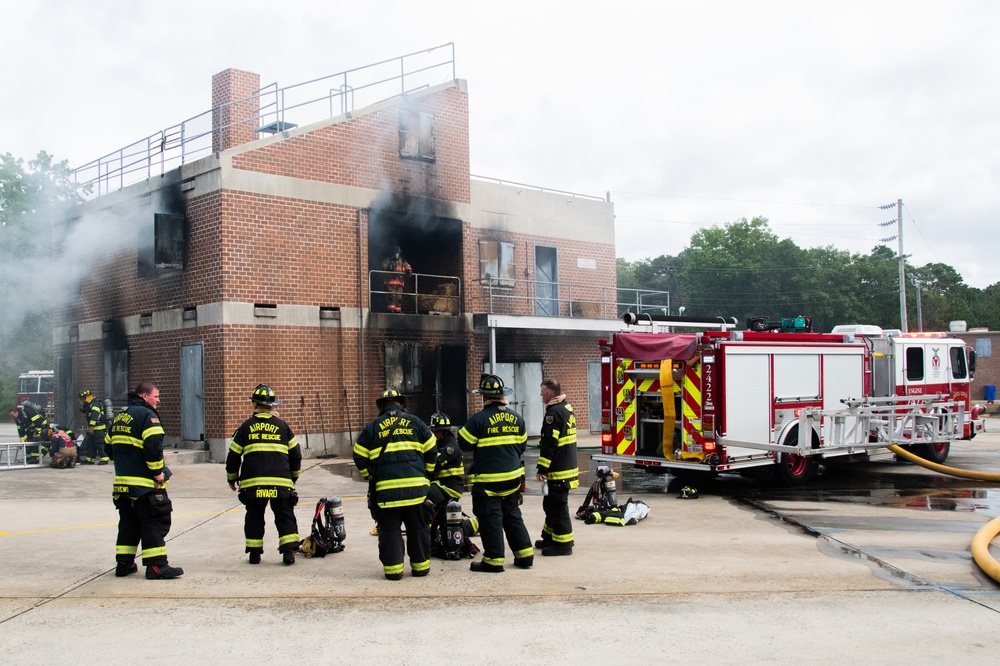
453 530
338 532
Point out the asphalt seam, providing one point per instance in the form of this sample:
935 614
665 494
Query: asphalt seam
847 548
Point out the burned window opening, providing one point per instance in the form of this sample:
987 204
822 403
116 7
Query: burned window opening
496 264
402 366
416 136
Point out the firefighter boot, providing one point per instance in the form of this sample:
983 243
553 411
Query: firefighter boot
524 562
163 572
123 569
288 557
484 567
543 542
557 550
254 558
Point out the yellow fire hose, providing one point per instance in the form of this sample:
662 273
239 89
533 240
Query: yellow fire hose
981 542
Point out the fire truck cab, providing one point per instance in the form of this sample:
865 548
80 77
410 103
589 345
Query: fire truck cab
38 386
777 399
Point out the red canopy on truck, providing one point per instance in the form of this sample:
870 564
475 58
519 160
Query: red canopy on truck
655 346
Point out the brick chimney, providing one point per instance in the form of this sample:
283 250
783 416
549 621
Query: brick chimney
234 110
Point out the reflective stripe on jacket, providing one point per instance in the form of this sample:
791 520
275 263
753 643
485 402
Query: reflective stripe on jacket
557 446
264 452
497 437
397 451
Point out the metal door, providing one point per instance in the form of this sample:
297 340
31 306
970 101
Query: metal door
546 282
524 379
593 396
193 392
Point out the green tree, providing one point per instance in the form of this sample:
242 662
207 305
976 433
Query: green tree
32 198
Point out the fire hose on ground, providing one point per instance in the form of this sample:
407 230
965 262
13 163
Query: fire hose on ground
981 542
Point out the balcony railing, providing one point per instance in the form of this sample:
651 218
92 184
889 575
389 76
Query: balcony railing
443 295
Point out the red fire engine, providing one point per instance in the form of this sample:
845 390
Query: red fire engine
778 398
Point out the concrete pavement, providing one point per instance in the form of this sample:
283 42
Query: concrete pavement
707 579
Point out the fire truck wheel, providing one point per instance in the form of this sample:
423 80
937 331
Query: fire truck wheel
795 470
936 453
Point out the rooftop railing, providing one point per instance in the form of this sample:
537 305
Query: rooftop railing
275 110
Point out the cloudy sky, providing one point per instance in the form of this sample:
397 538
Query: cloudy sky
690 114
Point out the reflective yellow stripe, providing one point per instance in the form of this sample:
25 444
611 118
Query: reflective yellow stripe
125 550
409 482
155 466
134 481
281 482
149 553
288 538
268 447
563 474
503 440
152 430
497 476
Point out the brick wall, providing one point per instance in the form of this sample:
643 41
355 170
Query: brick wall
234 110
364 152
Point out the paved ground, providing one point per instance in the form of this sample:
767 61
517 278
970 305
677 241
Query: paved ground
711 579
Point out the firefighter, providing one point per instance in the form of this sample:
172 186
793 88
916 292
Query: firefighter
448 478
557 469
21 422
135 443
398 268
62 450
263 463
92 449
32 427
35 421
396 453
497 437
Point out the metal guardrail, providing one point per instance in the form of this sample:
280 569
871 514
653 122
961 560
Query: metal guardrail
442 294
276 108
422 293
565 299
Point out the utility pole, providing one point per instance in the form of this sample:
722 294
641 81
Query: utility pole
902 258
902 270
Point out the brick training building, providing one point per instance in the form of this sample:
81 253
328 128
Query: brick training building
262 262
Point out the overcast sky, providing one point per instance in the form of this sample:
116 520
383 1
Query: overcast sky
690 114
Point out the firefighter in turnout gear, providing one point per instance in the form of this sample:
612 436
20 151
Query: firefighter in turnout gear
396 453
62 450
497 437
21 421
263 463
395 281
31 425
557 469
135 443
448 480
92 449
34 416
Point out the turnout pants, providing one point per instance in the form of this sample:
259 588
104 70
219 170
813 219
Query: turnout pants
498 516
146 519
558 527
92 447
390 538
256 500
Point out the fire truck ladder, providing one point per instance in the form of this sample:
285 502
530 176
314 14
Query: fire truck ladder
15 456
871 423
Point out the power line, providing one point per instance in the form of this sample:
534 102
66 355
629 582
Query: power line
787 203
